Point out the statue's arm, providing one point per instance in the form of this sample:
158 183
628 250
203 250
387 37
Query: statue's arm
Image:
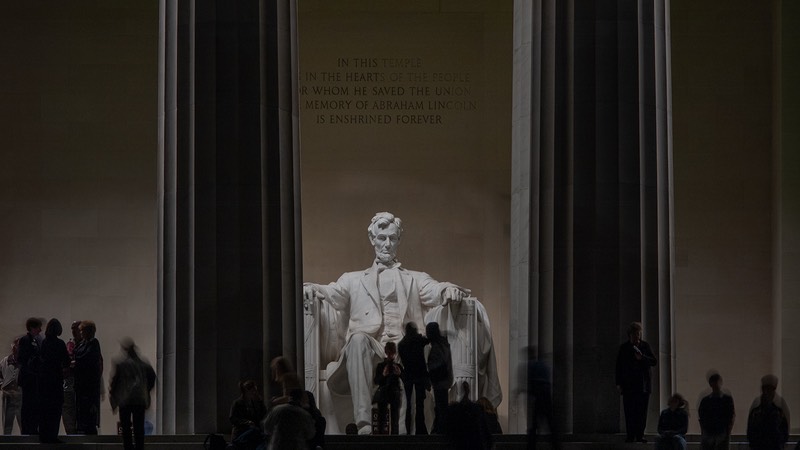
435 293
333 315
336 294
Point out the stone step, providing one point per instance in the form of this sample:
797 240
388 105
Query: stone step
342 442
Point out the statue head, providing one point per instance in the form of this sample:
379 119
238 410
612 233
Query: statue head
384 235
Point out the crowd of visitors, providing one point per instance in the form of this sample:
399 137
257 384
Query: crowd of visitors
45 382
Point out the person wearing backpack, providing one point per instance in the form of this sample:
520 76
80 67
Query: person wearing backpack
768 421
131 383
29 362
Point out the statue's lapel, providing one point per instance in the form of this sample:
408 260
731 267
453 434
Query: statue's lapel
370 283
406 281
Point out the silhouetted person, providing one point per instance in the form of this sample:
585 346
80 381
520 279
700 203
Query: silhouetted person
716 414
672 425
68 412
88 372
490 413
247 413
440 369
51 382
29 362
12 394
411 350
465 424
540 398
768 421
131 383
289 426
633 381
284 374
389 392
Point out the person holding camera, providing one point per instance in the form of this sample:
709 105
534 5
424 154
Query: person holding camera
389 393
633 379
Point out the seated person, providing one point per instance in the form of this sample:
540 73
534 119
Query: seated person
672 425
247 413
490 412
465 424
289 426
284 374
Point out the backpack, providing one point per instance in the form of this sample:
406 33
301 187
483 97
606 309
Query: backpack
767 426
215 442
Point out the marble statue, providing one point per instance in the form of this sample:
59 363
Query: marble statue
362 310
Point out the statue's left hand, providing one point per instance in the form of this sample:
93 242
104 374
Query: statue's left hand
454 294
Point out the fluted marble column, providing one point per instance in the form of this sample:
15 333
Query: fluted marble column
591 198
228 241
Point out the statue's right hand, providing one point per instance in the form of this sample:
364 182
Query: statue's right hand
312 292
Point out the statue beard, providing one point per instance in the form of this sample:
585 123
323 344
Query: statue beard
385 257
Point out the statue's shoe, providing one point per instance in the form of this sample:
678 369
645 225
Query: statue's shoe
366 429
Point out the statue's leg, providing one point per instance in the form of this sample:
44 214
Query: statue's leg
361 359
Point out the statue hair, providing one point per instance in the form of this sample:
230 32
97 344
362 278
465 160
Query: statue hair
383 220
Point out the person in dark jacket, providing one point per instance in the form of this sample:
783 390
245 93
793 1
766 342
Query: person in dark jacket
29 362
51 382
716 415
88 371
768 420
634 360
387 378
411 350
284 374
289 426
440 369
672 425
247 413
466 424
131 383
69 411
490 412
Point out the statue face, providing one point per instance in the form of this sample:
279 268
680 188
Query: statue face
385 243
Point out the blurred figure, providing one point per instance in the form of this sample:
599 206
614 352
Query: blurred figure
716 414
88 370
284 374
490 413
411 350
131 383
440 369
29 362
12 394
247 413
51 382
768 420
389 392
68 413
633 380
540 398
465 424
289 426
672 425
